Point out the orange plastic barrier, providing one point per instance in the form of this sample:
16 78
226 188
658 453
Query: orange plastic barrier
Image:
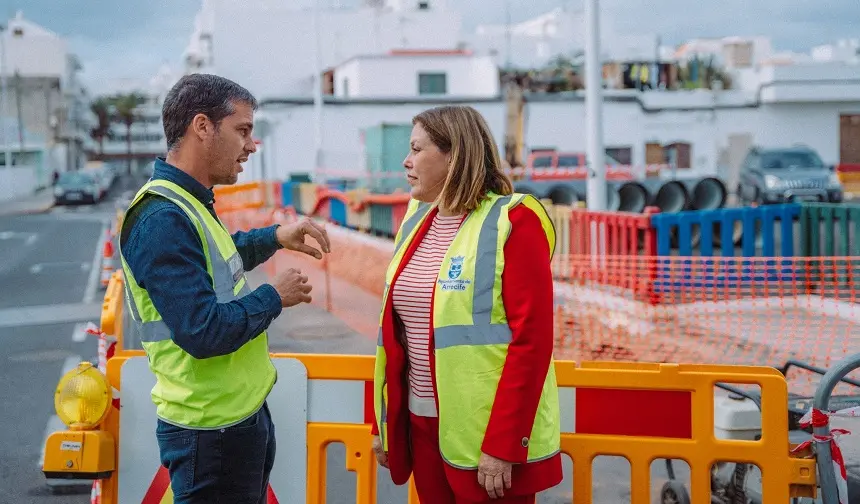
247 196
677 402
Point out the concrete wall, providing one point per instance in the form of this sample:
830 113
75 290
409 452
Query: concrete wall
561 124
284 66
22 181
397 76
40 98
36 52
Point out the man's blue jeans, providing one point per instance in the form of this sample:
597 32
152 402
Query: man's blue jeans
230 465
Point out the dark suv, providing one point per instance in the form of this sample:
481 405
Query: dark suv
787 175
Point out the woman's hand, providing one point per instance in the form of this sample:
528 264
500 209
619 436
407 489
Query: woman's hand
381 456
494 475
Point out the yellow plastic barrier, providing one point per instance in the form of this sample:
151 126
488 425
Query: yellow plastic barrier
112 306
357 219
639 411
308 198
560 215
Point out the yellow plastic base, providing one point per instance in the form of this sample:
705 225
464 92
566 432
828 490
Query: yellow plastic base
79 455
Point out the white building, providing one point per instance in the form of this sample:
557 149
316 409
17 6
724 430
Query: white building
533 42
147 139
401 74
45 110
284 64
774 101
780 106
843 50
729 52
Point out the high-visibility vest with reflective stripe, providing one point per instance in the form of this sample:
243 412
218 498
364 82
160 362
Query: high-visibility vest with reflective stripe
209 393
471 333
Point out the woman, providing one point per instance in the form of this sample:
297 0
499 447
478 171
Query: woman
465 391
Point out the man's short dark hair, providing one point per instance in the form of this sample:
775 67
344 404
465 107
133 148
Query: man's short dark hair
195 94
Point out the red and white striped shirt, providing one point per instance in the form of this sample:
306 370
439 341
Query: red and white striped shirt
412 297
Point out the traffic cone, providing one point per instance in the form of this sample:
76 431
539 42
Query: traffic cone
107 261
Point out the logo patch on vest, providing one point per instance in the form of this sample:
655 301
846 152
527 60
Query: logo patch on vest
236 267
455 269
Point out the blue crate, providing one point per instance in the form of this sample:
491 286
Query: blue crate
337 211
287 194
725 272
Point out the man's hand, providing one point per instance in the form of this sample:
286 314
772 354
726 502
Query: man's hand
494 475
292 237
381 456
293 287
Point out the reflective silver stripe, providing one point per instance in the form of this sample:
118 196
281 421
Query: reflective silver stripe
222 273
485 264
379 337
226 275
410 224
484 334
151 332
130 299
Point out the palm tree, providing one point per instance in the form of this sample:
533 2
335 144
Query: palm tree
125 106
101 109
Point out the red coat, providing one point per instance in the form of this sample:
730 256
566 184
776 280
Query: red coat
527 293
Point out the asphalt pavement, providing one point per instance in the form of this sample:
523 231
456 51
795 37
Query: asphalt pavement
50 265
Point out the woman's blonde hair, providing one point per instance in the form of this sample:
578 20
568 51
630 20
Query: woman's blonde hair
475 167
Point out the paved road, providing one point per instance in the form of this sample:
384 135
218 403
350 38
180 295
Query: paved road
49 270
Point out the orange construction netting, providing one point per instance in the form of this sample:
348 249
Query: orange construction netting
717 310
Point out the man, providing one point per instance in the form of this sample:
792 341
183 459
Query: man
203 329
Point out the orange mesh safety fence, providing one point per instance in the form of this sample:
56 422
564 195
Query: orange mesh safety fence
714 310
726 310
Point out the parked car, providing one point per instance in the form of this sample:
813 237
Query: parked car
785 175
77 187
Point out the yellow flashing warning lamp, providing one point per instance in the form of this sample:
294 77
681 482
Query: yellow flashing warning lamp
82 400
83 397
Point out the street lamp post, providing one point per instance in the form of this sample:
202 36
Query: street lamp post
6 143
317 83
596 184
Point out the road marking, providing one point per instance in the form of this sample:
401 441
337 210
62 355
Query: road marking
80 333
40 267
49 314
70 363
93 281
29 238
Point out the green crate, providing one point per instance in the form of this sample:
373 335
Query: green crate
831 232
380 219
386 145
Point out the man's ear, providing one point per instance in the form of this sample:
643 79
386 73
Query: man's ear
201 126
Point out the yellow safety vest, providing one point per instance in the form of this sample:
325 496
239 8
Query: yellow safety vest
210 393
471 333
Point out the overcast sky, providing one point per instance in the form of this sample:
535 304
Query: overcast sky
132 38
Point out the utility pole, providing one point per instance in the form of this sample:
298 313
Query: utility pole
6 143
317 83
508 33
596 184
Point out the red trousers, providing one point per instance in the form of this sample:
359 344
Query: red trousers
428 468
